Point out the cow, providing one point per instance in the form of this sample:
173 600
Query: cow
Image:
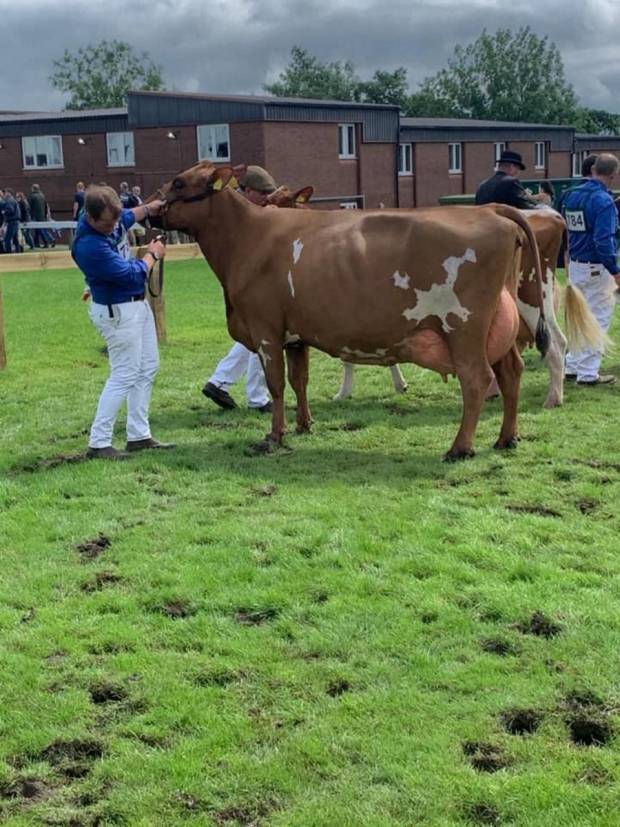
436 287
582 328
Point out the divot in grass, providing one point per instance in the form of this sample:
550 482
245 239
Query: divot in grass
482 813
540 625
254 617
521 721
91 549
486 757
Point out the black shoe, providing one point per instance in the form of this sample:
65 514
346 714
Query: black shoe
109 452
266 408
219 396
149 442
570 377
601 379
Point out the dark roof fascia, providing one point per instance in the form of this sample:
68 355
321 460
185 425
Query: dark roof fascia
585 141
87 122
262 99
440 131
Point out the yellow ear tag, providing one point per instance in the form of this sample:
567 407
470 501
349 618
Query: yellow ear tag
218 185
233 183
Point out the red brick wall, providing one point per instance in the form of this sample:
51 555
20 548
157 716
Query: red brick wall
378 174
406 190
479 164
432 177
559 165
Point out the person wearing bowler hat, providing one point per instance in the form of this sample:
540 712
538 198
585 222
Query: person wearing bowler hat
504 186
255 185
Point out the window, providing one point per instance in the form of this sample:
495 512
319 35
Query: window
346 140
348 205
498 149
120 149
539 155
455 158
213 142
42 151
578 159
405 164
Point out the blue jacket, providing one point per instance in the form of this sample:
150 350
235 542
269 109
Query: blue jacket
592 221
112 278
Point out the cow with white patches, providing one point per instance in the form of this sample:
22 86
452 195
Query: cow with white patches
345 296
548 227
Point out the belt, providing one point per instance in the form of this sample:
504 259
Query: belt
593 263
138 298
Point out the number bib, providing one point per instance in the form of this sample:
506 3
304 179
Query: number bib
575 221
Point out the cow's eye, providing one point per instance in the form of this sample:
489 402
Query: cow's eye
178 184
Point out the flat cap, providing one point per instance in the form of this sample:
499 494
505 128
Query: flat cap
257 178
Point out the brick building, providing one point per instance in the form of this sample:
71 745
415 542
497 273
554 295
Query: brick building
353 154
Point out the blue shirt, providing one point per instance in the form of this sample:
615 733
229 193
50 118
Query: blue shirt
111 276
592 221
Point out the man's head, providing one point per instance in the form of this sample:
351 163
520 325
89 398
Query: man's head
510 162
80 186
605 168
35 188
9 191
587 164
256 184
136 190
124 186
103 208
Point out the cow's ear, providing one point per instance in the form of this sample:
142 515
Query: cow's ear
220 178
304 195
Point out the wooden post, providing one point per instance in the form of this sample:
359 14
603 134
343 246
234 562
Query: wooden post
2 344
157 302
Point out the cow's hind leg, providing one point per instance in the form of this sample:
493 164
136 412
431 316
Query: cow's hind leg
475 375
508 372
400 384
297 358
346 389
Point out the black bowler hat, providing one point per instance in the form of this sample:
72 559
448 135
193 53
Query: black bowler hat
510 157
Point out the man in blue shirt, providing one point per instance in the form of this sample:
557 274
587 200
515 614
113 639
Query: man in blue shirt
592 222
122 316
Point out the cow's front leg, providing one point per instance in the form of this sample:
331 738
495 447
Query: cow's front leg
297 358
474 376
508 372
272 358
346 389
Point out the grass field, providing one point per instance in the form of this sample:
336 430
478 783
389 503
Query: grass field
347 633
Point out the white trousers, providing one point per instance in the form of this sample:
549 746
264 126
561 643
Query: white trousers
238 361
597 285
134 360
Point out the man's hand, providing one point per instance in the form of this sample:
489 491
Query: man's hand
156 249
155 207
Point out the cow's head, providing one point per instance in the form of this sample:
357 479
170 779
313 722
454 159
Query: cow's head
283 197
188 190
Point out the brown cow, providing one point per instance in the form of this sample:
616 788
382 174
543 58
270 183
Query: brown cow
436 287
548 227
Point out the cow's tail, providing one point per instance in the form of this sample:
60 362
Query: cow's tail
542 337
582 328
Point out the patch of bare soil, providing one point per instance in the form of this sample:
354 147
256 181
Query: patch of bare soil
539 510
105 693
482 813
100 581
595 776
254 617
50 462
587 506
486 757
265 490
251 815
338 687
28 791
91 549
587 719
499 646
73 759
177 609
540 625
521 721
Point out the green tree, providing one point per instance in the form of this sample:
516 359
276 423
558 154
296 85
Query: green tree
512 76
386 87
597 121
307 77
99 77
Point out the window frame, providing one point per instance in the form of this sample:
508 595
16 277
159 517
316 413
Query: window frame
402 153
124 163
498 148
452 151
344 147
213 126
577 159
35 154
542 152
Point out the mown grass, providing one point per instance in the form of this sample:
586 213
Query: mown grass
348 633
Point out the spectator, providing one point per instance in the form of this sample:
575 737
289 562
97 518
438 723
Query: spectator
138 229
38 212
10 211
504 186
129 201
78 201
24 217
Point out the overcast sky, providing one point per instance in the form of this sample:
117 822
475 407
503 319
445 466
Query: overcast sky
234 46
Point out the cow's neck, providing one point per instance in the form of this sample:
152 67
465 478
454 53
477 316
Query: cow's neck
224 233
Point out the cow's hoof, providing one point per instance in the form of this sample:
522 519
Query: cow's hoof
303 429
265 446
455 456
340 397
402 389
553 403
505 444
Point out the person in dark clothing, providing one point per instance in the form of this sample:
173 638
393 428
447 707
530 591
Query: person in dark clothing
24 217
78 201
10 212
504 186
38 212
